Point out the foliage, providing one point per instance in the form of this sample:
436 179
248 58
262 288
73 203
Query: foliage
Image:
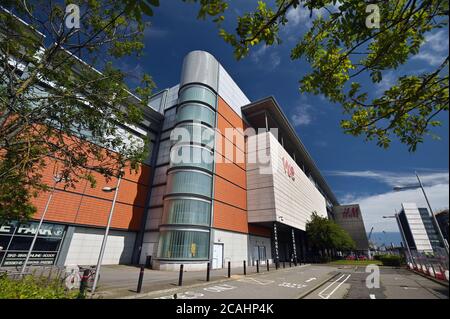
342 50
323 233
34 287
389 260
52 103
356 262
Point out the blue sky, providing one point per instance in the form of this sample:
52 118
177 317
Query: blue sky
356 170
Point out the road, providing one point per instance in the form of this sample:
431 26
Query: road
394 284
331 282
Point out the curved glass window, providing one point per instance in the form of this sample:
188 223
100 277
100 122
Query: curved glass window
189 182
196 112
183 244
191 155
193 132
197 93
187 211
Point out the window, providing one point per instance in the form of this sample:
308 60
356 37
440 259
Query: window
196 112
188 211
197 93
163 152
192 155
183 244
193 132
189 182
16 238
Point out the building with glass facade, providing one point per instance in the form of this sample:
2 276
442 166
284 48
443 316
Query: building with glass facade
227 179
419 230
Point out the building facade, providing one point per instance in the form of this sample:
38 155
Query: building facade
349 217
418 228
442 219
227 179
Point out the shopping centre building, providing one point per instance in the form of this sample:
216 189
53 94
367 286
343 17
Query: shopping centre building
227 179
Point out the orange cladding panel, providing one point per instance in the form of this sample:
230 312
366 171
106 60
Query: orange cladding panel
229 193
231 172
229 114
230 218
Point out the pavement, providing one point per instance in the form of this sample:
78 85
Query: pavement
304 281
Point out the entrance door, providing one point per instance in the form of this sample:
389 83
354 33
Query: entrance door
217 261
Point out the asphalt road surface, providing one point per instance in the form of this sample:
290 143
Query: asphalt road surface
314 282
394 284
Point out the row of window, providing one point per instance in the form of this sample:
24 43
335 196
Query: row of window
187 211
192 244
193 156
183 244
196 112
195 92
189 182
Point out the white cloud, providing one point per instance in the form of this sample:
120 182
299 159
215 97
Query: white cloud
154 32
435 48
299 15
386 83
397 179
272 59
375 207
302 15
301 115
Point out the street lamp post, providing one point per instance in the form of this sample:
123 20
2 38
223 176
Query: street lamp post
436 225
56 180
105 236
402 233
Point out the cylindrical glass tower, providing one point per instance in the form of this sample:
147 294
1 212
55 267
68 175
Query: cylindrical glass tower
186 224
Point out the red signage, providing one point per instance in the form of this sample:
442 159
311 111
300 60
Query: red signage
288 169
350 212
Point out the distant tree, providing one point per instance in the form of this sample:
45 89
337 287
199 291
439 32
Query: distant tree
342 49
51 103
324 234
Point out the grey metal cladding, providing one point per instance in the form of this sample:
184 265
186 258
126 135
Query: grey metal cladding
200 67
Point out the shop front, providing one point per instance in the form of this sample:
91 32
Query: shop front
16 239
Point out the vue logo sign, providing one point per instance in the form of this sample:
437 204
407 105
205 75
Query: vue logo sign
288 169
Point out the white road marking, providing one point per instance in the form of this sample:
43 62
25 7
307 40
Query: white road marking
311 279
291 285
410 288
334 290
257 281
219 288
372 296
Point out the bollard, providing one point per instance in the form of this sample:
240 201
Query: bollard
284 264
290 264
295 262
141 277
208 269
180 278
257 266
229 269
245 269
276 265
83 283
267 263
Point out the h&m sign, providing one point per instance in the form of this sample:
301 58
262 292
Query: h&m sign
350 212
288 169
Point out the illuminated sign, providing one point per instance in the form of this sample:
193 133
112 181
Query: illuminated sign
288 169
